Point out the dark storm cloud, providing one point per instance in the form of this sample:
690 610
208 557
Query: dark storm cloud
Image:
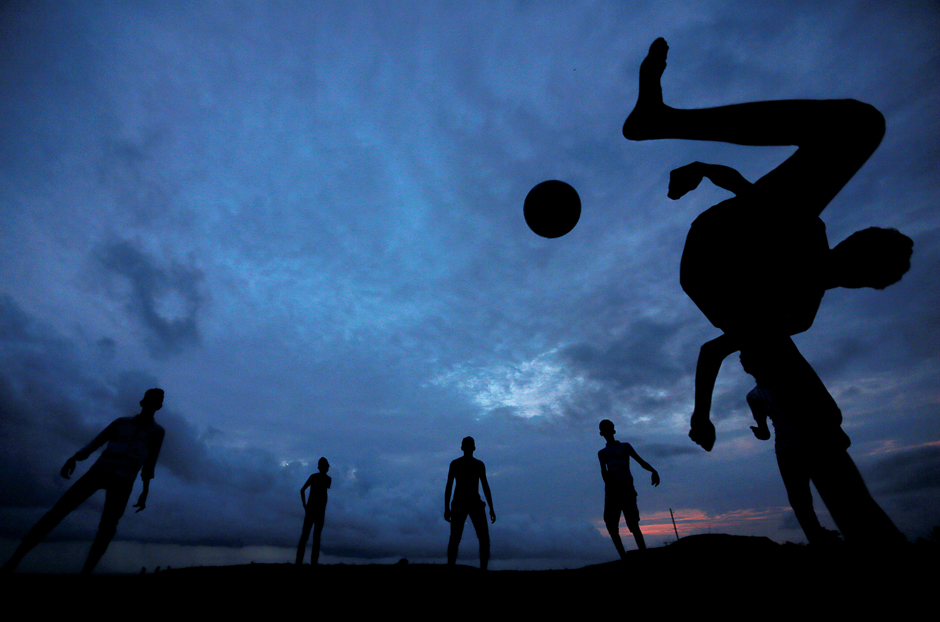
907 471
44 397
664 451
165 299
638 357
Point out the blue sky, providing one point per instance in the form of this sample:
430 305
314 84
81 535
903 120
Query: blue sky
304 222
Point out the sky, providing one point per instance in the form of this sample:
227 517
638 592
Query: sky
304 222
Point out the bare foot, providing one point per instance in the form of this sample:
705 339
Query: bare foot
640 125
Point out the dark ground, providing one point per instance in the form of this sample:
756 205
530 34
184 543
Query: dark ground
705 574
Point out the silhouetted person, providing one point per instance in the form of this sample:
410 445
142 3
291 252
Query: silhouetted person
619 492
133 444
315 505
795 470
757 265
469 474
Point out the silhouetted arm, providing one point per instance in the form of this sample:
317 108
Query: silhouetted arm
706 371
600 457
306 485
69 467
655 478
447 490
759 411
97 442
141 504
486 492
687 178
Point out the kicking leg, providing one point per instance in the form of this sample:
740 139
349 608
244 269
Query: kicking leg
835 136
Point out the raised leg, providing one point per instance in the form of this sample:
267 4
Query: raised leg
835 137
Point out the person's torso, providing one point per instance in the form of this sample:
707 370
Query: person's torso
128 447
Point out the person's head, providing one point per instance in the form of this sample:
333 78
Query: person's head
607 428
153 400
873 257
467 444
323 465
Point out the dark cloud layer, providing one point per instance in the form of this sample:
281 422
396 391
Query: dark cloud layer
165 299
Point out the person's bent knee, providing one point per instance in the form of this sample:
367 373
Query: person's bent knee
864 124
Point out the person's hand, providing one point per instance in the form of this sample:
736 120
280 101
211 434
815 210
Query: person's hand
68 468
762 432
655 479
492 515
703 433
141 504
447 514
683 180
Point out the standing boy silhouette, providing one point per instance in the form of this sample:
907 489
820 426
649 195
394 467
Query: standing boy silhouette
619 493
469 473
315 505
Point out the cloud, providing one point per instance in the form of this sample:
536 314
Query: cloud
165 299
913 470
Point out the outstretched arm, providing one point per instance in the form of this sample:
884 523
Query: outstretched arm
687 178
706 371
69 467
447 490
655 478
486 493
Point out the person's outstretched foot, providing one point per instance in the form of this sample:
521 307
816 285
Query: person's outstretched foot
640 125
